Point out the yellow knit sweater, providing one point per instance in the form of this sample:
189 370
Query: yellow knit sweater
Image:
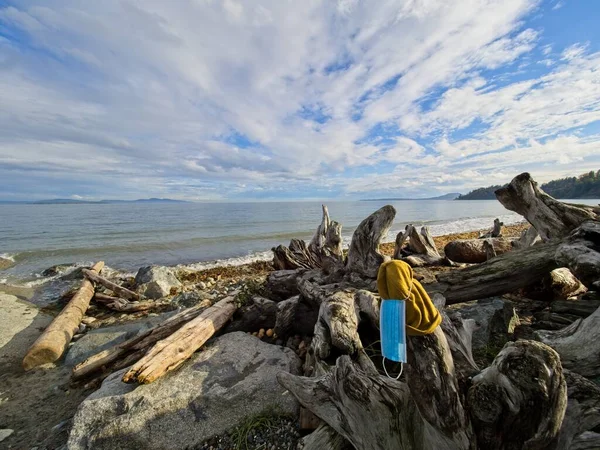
395 281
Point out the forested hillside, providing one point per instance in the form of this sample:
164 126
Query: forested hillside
586 185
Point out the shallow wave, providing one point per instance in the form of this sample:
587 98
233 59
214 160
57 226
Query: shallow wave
9 256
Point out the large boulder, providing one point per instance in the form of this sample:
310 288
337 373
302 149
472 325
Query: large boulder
156 281
473 251
231 379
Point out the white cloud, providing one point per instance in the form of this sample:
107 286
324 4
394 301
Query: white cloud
151 95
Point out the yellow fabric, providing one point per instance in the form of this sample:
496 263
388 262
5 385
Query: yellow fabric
394 281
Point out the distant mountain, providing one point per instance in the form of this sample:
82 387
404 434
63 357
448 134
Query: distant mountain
451 196
70 201
586 185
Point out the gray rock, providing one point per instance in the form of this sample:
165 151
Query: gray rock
5 433
482 312
192 298
156 281
5 263
231 379
103 338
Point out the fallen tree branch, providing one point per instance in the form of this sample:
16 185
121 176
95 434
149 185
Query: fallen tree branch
170 353
120 290
53 342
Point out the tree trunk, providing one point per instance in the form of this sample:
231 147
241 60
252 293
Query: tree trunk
325 438
53 342
551 218
494 232
580 252
581 308
134 348
170 353
578 344
529 237
363 255
119 290
421 249
473 251
261 313
500 275
283 284
490 251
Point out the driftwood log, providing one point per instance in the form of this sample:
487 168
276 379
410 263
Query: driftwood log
323 251
171 352
119 290
55 339
528 237
551 218
496 231
420 249
473 251
133 349
123 305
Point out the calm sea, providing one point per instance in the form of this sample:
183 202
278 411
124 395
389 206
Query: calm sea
127 236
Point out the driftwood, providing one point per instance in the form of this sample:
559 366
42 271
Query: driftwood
473 250
261 313
133 349
560 284
551 218
528 237
283 284
170 353
578 344
323 251
500 275
363 254
123 305
420 249
490 251
581 308
580 252
325 438
53 342
119 290
496 231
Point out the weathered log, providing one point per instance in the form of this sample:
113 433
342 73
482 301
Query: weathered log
133 349
500 275
550 217
282 284
581 308
580 252
490 251
496 231
324 250
560 284
363 254
53 342
521 399
295 317
261 313
325 438
119 290
583 409
529 237
578 344
420 250
473 251
170 353
123 305
586 441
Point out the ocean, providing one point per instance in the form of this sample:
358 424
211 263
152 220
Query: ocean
130 235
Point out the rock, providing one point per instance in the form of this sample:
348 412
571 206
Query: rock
211 280
5 433
482 312
230 380
102 338
5 263
156 281
56 270
189 299
473 251
269 332
201 285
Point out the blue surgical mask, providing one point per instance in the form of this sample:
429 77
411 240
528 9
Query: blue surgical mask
392 326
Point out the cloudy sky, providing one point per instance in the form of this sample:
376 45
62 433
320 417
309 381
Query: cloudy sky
231 99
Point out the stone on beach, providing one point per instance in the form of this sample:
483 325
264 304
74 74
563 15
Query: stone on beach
231 379
156 281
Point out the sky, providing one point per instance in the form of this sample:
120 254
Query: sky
219 100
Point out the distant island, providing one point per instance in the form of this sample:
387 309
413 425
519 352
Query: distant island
451 196
586 185
69 201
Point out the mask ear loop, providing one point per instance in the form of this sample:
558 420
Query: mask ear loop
386 372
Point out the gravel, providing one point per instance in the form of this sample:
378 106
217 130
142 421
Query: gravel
280 434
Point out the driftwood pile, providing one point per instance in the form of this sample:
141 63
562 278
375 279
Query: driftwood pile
533 396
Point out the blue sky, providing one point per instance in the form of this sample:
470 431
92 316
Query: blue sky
226 100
